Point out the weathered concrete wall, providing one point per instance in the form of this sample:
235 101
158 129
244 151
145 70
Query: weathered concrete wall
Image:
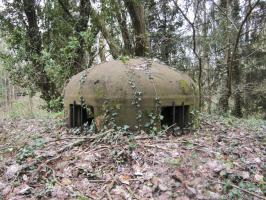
119 84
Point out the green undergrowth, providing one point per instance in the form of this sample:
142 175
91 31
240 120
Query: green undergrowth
28 151
235 193
252 123
21 109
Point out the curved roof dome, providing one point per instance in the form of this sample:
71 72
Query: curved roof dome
142 80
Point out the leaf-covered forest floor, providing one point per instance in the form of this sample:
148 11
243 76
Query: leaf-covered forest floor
224 159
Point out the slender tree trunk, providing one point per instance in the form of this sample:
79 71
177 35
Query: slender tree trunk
165 42
11 97
81 26
226 87
236 68
233 68
122 20
30 94
102 49
100 24
237 111
206 59
245 53
90 48
7 97
194 47
200 84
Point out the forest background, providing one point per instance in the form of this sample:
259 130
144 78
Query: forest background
221 44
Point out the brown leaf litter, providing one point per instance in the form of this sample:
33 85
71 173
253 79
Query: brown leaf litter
42 160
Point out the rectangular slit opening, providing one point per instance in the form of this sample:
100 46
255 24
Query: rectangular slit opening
178 115
79 115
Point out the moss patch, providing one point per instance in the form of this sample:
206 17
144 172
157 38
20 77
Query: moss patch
99 92
184 86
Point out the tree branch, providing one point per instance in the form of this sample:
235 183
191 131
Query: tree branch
65 9
192 24
241 27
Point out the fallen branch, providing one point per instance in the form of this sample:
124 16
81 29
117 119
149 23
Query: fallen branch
239 188
70 146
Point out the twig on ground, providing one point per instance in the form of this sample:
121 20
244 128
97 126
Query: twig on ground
108 195
70 138
108 189
97 181
155 146
100 148
132 193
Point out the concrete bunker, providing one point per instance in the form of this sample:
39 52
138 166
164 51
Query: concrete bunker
139 92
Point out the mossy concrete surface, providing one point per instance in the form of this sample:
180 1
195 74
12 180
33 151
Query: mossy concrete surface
120 84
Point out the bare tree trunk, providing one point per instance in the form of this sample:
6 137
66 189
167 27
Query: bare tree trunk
246 52
13 93
100 24
11 87
206 59
137 15
102 49
7 97
226 91
122 20
237 96
165 43
90 48
30 100
226 87
81 26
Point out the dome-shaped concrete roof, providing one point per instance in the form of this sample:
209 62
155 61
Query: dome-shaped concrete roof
132 85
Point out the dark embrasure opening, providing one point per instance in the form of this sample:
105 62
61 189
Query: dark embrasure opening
80 115
178 115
